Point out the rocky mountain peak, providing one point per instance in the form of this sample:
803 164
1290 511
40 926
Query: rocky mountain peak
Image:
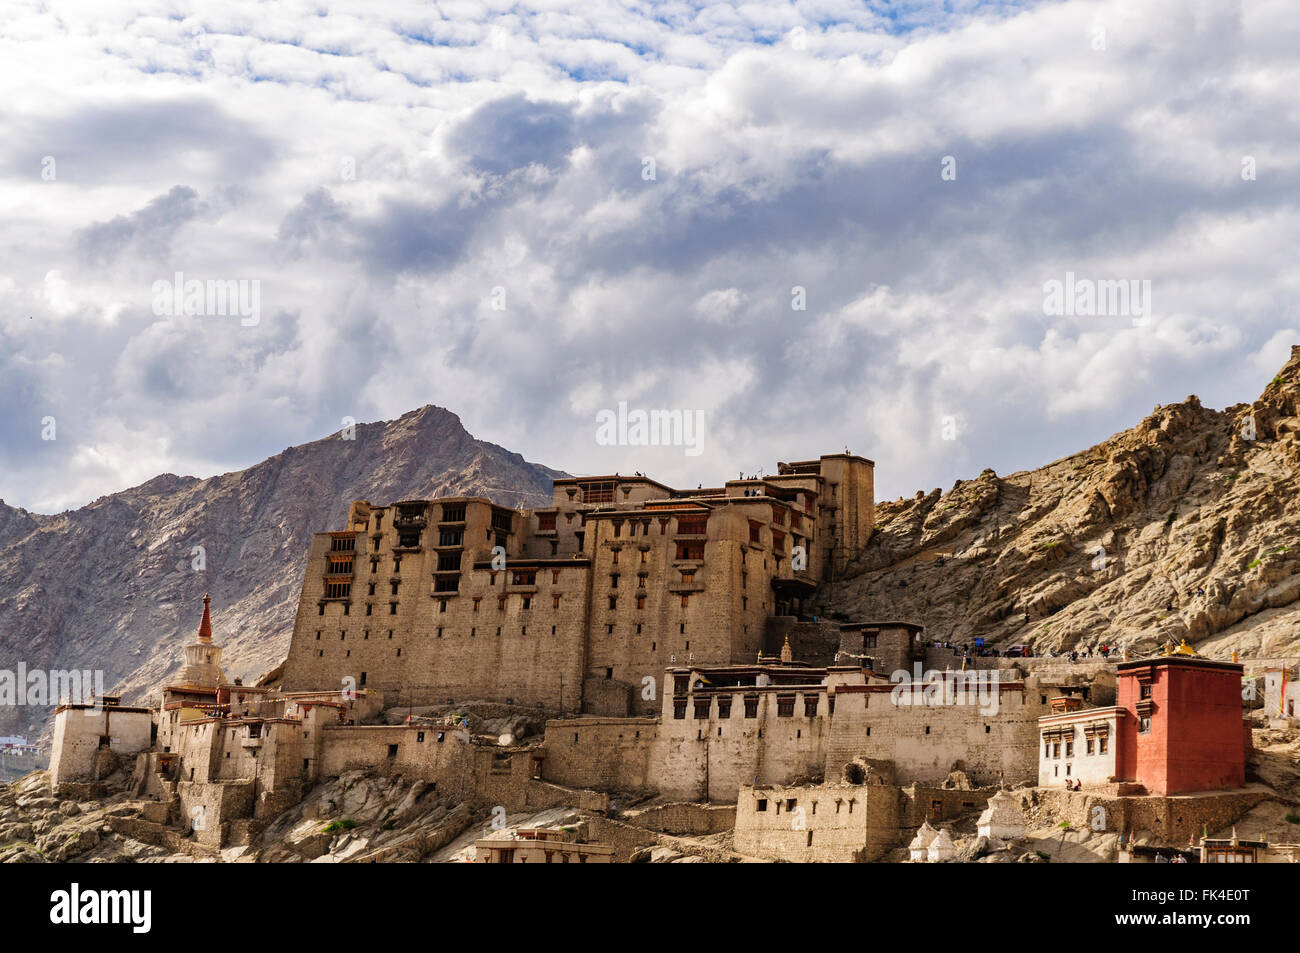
118 584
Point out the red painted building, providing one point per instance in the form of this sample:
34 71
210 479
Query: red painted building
1185 730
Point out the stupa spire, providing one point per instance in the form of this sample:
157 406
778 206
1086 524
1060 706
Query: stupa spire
205 627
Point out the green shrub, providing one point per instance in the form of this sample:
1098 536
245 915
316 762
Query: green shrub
344 825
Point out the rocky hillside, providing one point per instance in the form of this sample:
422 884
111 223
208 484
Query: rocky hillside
113 585
359 817
1186 526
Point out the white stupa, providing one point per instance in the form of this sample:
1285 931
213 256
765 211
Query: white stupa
921 842
203 657
941 848
1003 818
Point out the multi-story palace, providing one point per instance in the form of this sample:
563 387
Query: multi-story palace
577 605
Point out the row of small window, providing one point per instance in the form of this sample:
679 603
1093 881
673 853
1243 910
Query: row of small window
448 583
393 587
447 563
688 576
447 537
451 563
640 601
343 590
686 526
454 513
525 577
526 603
785 705
522 577
347 653
441 631
620 737
506 855
1229 855
1052 749
791 803
778 537
685 552
336 593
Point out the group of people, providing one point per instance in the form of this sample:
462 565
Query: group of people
1075 785
1103 650
1198 591
967 649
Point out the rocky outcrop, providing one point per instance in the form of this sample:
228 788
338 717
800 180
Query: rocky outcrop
358 817
1186 526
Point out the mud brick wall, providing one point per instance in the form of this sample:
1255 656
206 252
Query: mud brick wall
837 823
604 754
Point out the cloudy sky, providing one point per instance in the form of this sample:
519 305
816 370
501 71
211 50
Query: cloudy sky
530 212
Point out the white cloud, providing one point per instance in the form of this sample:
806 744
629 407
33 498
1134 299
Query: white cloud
58 295
720 306
381 169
